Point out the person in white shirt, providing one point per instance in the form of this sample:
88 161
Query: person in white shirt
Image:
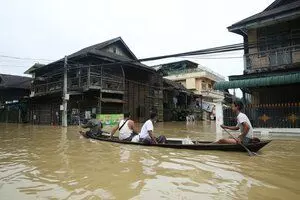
243 124
126 127
146 135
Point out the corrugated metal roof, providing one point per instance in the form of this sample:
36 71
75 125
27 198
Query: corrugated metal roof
12 81
175 85
268 13
259 82
97 50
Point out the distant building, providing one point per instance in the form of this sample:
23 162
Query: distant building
271 78
14 93
176 99
196 79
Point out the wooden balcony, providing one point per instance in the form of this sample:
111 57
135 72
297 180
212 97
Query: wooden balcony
272 59
81 84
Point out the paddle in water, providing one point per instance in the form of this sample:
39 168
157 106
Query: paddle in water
250 153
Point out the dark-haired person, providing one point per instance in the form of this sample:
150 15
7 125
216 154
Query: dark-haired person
94 125
146 135
243 124
126 127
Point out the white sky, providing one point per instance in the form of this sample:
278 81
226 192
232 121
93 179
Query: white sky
54 28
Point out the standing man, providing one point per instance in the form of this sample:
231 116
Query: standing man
243 124
146 134
126 127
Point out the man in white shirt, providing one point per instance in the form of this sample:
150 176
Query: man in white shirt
243 124
146 134
126 127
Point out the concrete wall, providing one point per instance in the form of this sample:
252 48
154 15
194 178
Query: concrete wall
191 83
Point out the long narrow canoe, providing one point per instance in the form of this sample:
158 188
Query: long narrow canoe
198 145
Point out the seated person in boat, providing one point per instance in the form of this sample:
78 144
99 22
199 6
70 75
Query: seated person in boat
146 135
126 127
243 124
94 125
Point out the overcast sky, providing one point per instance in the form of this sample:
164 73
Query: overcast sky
50 29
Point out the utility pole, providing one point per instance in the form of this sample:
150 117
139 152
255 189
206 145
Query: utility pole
65 95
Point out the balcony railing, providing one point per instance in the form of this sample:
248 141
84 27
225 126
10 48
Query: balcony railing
48 87
209 73
272 58
80 83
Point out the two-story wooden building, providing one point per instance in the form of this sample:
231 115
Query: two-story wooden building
105 78
271 78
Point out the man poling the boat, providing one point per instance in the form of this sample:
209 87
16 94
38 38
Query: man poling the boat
243 124
94 125
126 127
146 135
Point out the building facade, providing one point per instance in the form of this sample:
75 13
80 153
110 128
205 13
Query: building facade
271 78
195 78
105 78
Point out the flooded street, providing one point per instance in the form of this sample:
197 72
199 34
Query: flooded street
48 162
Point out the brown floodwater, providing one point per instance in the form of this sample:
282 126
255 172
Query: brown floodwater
48 162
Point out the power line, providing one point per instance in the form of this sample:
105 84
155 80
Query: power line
18 66
20 58
220 49
211 58
191 54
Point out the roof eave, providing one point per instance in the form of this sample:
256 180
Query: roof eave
261 22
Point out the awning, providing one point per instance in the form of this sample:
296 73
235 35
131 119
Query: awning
259 82
109 100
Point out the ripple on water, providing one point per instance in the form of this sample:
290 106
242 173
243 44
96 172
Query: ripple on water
45 162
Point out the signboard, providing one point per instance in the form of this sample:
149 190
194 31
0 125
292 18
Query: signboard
110 119
207 106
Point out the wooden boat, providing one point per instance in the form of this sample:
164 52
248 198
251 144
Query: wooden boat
198 145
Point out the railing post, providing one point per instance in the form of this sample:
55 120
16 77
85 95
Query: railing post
245 62
89 77
79 77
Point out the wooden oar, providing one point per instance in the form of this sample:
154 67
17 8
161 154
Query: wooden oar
250 153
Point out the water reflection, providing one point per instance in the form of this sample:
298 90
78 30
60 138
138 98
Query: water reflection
43 162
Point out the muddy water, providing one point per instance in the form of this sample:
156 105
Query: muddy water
44 162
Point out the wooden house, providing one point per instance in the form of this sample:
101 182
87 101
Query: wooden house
105 78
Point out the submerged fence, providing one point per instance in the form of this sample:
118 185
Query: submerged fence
283 115
13 113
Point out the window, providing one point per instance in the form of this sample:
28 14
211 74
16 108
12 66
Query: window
296 38
203 86
262 43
